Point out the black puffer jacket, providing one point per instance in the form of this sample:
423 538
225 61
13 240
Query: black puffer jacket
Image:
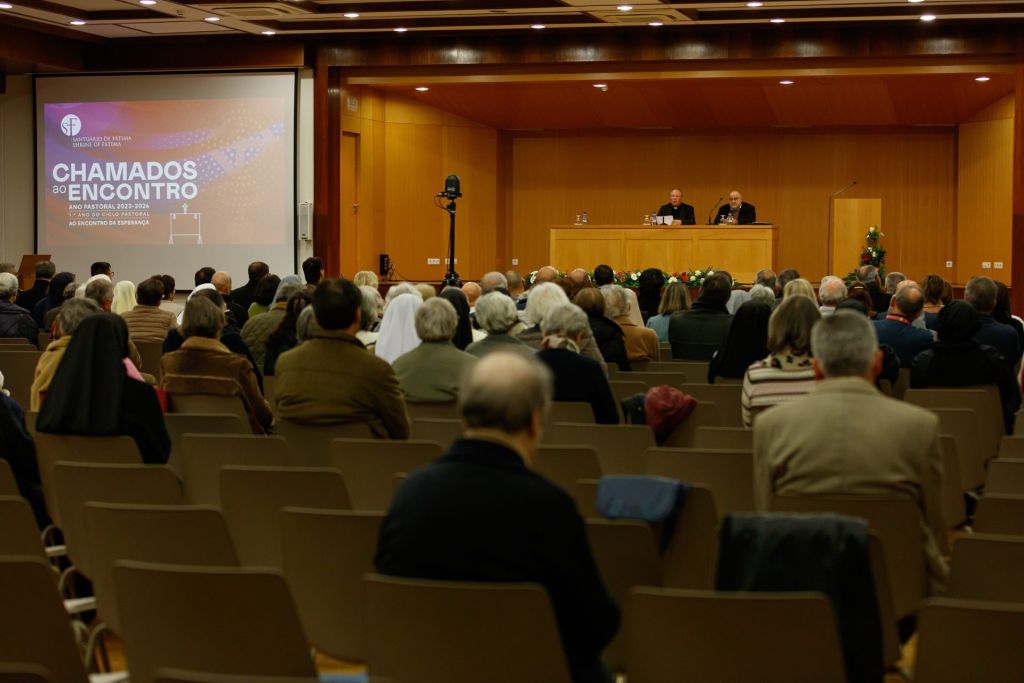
15 321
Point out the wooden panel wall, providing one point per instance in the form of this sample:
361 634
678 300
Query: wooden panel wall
984 193
406 150
787 175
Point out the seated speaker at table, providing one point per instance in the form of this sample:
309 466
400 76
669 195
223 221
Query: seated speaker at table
736 211
682 214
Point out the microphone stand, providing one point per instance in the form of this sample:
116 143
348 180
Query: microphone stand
713 208
451 278
831 265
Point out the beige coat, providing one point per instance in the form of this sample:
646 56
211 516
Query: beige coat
46 367
149 323
432 372
641 342
846 438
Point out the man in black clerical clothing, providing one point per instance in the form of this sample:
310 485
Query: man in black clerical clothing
736 211
682 214
479 513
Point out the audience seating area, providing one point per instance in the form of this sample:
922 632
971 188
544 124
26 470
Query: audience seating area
244 553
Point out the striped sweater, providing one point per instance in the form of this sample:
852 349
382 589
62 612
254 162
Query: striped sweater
779 378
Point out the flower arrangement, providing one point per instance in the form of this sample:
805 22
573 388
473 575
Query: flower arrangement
692 279
532 277
874 253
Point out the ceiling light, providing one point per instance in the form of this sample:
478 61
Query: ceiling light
624 8
915 1
538 26
147 2
983 79
655 23
422 88
786 82
211 18
4 5
400 29
927 17
600 85
755 4
269 33
78 22
778 20
351 15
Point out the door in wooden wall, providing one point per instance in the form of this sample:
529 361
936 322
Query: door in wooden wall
349 203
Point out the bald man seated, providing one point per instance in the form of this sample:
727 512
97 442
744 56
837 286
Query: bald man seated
682 214
736 212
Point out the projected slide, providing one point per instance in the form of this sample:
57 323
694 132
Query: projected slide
168 183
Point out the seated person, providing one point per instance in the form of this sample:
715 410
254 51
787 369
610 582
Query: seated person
787 373
370 312
897 328
434 370
480 514
958 360
205 366
284 338
641 343
542 297
257 330
675 298
682 214
697 333
15 321
97 391
736 211
332 378
746 343
71 315
609 337
147 321
577 378
981 293
496 315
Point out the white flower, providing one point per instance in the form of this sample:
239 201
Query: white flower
696 273
710 273
673 279
633 276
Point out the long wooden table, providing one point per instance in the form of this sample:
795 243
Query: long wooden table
740 249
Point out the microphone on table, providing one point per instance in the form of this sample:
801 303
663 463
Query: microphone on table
839 192
713 208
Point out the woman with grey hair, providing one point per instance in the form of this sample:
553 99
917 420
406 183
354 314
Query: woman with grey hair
763 295
433 371
371 308
496 315
306 326
542 298
577 378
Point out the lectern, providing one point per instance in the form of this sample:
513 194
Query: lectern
851 219
27 269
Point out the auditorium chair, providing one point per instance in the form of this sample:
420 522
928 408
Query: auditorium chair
326 554
179 424
962 425
80 483
705 414
440 431
458 632
35 628
369 466
728 438
983 399
21 537
202 461
226 619
954 509
626 554
654 379
717 637
1011 447
968 640
18 364
897 522
43 340
54 448
619 447
208 404
1000 514
168 675
8 484
696 370
150 352
688 558
569 411
444 411
987 567
310 443
252 499
1005 475
725 396
172 534
728 474
21 672
14 341
566 465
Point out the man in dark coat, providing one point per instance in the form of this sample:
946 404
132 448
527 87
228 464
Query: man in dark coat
480 514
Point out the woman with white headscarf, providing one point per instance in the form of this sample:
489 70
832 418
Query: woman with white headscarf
124 297
398 328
